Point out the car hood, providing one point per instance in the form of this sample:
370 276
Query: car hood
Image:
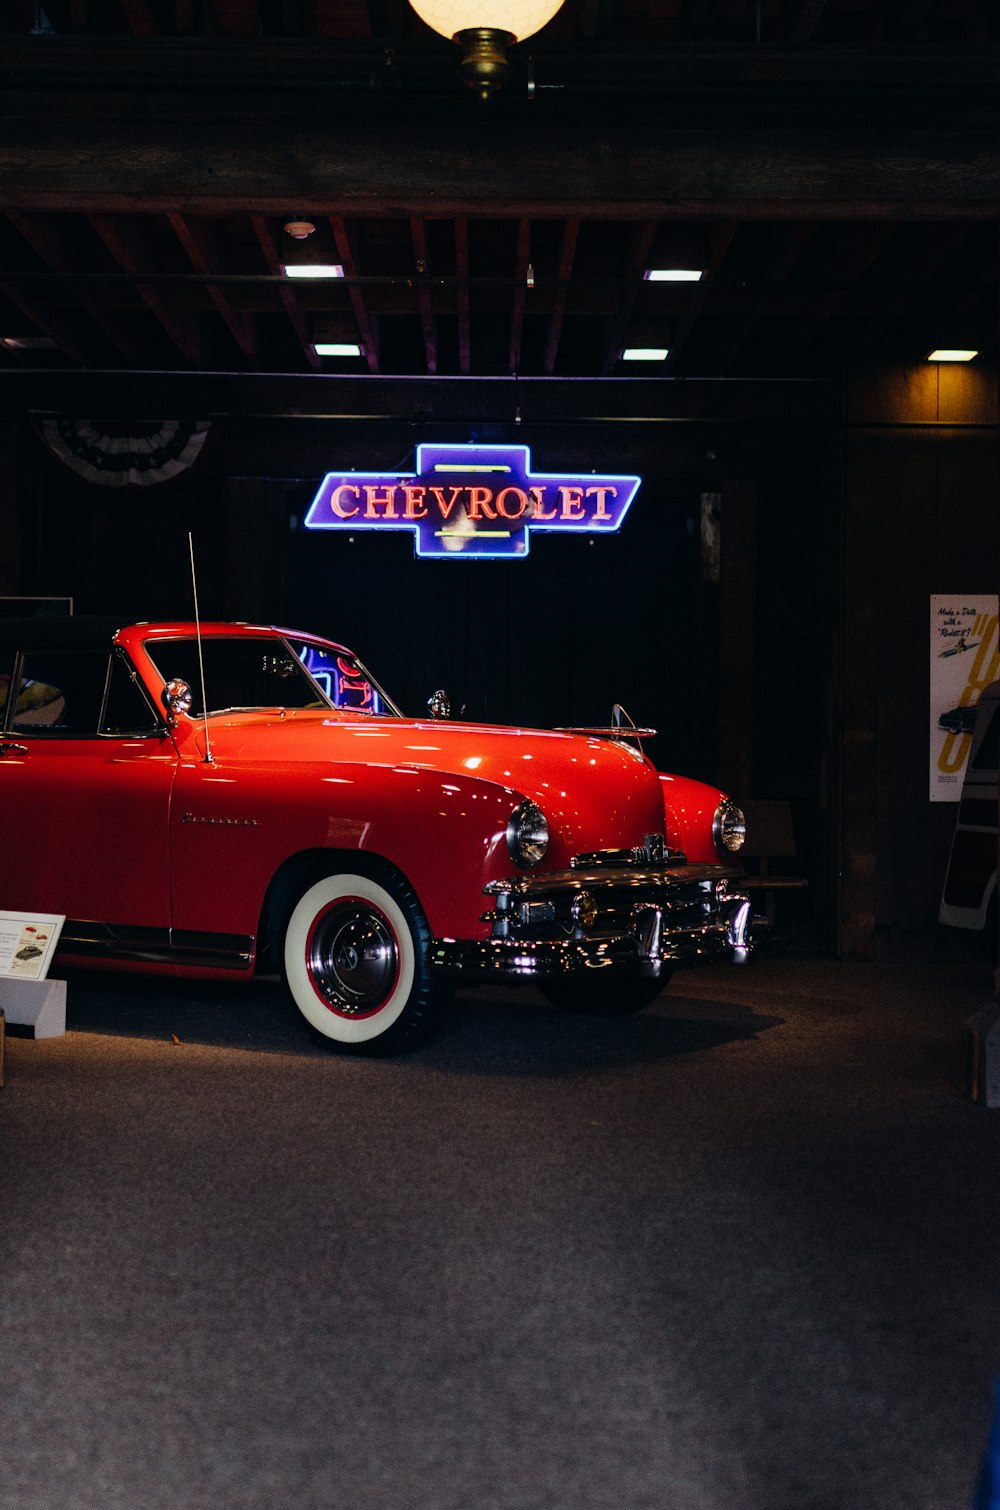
595 793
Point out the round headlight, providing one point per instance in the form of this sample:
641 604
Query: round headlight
729 828
527 833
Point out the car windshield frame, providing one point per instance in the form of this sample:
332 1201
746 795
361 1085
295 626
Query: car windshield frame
282 648
384 705
189 671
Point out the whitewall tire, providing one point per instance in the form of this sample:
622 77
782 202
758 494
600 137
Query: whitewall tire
355 961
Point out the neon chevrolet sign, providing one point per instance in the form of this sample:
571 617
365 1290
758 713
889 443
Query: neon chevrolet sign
471 500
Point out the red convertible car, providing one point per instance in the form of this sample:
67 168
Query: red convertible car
291 819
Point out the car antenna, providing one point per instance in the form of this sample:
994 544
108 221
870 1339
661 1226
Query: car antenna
201 658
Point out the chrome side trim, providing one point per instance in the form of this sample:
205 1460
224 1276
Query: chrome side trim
156 946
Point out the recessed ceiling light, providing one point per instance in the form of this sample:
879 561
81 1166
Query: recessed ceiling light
645 354
951 354
312 270
337 349
674 274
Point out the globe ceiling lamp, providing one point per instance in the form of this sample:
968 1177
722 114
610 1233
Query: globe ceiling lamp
484 29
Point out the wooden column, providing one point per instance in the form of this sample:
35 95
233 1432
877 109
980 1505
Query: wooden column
10 524
858 715
735 677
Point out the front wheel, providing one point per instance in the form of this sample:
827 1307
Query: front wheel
604 998
355 962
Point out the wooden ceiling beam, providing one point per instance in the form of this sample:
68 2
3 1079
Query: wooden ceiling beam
138 17
522 264
48 322
388 18
802 19
16 16
921 268
739 333
342 18
461 400
697 20
287 294
348 260
58 251
462 274
720 239
595 18
120 240
637 261
865 244
629 71
202 255
369 168
907 21
233 18
418 233
567 253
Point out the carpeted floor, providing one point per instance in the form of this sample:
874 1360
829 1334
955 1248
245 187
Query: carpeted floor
741 1252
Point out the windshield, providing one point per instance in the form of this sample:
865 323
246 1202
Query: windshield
242 673
343 678
245 673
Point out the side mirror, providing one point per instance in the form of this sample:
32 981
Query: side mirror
439 704
176 698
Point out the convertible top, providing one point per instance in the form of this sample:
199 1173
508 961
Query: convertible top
66 632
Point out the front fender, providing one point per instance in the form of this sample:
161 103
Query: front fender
231 832
688 810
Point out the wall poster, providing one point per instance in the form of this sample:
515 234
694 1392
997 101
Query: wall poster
964 659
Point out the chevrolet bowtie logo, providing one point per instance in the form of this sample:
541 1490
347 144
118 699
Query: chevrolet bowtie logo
470 500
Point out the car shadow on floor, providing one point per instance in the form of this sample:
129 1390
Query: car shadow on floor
497 1030
489 1030
218 1014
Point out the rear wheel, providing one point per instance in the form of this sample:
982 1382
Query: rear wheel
604 998
355 962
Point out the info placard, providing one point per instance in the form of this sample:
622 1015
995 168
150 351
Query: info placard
27 943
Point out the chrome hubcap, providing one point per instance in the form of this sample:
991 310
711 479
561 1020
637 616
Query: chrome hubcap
353 958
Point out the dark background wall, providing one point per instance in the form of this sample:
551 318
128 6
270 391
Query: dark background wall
557 638
798 671
920 501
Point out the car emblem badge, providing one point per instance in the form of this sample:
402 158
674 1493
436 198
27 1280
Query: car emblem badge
221 822
654 849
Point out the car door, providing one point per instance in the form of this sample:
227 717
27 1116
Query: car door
86 773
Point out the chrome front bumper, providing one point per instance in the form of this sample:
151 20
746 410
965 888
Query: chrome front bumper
645 922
